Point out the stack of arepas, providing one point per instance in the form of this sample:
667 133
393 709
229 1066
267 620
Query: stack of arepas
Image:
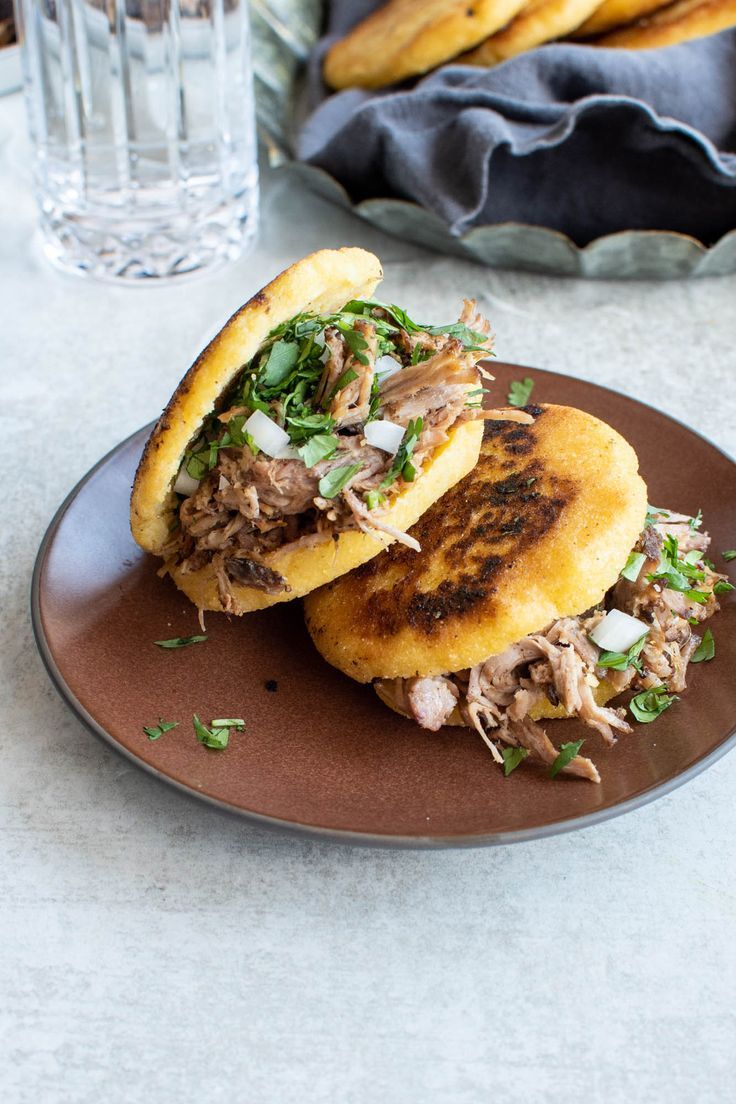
407 38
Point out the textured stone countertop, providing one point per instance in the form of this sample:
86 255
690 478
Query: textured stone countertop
156 951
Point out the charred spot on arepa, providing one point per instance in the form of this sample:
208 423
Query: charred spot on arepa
478 530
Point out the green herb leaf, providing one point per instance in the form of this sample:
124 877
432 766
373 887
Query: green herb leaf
357 345
705 650
196 467
319 447
282 358
679 573
401 464
211 737
301 426
567 754
648 705
512 756
729 554
633 567
696 522
332 483
154 732
399 316
722 587
347 377
519 391
230 722
619 661
374 499
472 340
420 353
180 641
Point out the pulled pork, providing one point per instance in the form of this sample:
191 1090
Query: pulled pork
247 506
560 664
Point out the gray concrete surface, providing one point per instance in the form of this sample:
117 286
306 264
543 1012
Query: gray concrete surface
153 951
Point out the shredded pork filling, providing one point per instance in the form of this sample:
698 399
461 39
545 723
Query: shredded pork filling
561 663
249 504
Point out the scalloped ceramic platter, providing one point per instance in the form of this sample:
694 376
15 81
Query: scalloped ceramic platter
320 753
630 254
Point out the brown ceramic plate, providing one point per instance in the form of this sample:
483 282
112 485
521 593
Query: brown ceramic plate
320 753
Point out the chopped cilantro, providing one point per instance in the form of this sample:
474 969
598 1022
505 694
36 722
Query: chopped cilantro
679 573
154 732
648 705
230 722
472 340
420 353
302 426
705 650
520 391
357 345
401 464
620 661
696 522
196 466
281 360
566 755
180 641
347 377
332 483
633 567
319 447
729 554
512 756
722 587
374 499
367 307
211 737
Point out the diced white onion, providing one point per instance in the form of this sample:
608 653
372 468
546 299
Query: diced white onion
185 483
384 435
618 631
266 434
288 452
223 483
387 366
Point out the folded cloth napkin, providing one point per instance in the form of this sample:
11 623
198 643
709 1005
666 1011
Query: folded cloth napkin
580 139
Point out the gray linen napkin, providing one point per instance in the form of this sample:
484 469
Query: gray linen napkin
576 138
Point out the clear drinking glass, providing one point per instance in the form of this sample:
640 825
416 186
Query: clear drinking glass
141 114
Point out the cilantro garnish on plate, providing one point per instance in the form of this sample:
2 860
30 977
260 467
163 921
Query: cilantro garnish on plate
520 391
154 732
566 755
512 756
705 650
648 705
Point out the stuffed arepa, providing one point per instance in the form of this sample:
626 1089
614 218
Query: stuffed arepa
545 587
314 429
539 530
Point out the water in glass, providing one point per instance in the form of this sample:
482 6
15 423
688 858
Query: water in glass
141 114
